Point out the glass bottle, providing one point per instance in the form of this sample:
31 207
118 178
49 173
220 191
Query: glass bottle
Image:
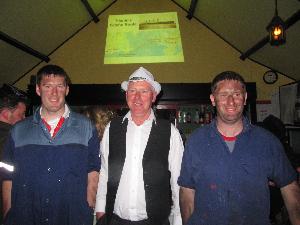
188 116
196 117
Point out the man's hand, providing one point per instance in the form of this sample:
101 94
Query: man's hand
93 178
99 215
291 196
6 196
186 200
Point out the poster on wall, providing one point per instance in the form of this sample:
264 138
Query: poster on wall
143 38
263 110
288 96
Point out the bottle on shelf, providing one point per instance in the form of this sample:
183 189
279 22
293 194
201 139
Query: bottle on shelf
201 114
206 118
196 116
188 116
179 116
183 112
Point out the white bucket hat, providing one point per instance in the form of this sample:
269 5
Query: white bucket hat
141 74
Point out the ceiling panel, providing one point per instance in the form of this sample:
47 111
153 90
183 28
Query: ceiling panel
243 24
41 25
44 25
14 63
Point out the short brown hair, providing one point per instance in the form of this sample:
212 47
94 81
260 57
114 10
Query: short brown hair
227 75
52 70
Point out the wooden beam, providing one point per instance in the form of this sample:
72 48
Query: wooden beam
23 47
192 9
90 10
288 23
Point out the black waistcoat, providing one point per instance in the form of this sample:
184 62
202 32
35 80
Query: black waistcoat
156 172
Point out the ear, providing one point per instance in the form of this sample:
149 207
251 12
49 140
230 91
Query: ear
37 90
67 90
212 99
126 95
154 96
245 101
5 114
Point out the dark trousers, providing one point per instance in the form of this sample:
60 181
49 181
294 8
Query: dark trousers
116 220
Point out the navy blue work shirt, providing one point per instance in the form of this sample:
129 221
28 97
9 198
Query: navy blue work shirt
232 188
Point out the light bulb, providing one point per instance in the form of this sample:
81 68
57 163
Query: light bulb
277 31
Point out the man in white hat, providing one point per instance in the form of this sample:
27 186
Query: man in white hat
141 158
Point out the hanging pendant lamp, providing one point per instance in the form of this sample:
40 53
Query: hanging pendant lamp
276 29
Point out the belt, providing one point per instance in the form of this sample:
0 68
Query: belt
129 222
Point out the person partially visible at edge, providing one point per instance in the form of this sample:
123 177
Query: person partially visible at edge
100 116
227 164
55 154
141 157
13 103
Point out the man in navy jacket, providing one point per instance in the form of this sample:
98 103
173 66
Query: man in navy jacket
55 154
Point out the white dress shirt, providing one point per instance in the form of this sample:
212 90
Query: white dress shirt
130 203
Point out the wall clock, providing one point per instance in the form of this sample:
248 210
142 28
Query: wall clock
270 77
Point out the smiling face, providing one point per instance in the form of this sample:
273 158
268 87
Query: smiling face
229 99
140 96
52 90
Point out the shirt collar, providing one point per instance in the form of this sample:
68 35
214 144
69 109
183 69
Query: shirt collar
246 126
150 118
65 115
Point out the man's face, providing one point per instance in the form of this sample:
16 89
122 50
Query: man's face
229 99
52 91
16 114
140 97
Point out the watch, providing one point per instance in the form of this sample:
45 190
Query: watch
270 77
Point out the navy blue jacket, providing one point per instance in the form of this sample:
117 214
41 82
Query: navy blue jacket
49 184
